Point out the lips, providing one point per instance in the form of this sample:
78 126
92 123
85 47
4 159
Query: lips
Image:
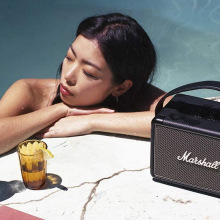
64 90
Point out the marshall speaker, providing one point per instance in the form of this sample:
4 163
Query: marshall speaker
185 140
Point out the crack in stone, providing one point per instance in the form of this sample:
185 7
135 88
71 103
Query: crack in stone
34 200
92 193
41 199
90 197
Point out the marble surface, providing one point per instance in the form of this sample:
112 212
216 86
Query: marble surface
99 177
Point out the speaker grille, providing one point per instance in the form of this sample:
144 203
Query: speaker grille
169 143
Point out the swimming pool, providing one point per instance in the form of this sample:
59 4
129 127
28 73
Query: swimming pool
35 36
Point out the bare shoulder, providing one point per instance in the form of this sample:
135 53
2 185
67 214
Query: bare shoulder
24 96
149 98
41 89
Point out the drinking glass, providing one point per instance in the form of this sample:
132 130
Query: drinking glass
32 163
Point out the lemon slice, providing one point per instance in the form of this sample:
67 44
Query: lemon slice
33 148
47 153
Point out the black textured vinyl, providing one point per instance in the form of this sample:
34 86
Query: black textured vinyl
171 144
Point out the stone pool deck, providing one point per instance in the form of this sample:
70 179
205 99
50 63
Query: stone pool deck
100 177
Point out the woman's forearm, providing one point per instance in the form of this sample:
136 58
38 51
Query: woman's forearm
18 128
135 124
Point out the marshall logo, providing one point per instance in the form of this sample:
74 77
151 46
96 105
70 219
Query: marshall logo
200 162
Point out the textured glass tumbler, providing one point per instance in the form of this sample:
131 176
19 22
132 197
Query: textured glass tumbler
32 163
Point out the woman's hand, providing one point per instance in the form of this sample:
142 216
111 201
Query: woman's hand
70 110
76 122
68 126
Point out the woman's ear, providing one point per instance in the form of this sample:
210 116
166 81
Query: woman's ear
122 88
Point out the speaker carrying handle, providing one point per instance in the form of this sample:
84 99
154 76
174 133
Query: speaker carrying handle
215 85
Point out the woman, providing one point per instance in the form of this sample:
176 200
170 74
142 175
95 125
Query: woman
104 86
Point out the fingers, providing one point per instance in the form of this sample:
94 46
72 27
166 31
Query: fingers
49 134
48 130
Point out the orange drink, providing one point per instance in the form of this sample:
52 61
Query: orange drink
33 163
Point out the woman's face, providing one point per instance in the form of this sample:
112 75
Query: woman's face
86 78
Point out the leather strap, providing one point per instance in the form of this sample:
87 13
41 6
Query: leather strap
215 85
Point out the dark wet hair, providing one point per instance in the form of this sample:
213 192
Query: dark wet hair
127 50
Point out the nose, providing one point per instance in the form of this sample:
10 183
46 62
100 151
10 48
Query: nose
71 75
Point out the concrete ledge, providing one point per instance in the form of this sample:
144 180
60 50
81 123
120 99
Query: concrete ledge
101 176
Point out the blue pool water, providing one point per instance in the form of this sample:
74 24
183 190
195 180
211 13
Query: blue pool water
35 34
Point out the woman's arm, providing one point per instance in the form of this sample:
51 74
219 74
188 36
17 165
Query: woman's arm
18 128
22 114
15 129
18 118
135 124
131 123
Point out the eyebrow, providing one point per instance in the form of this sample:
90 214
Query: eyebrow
85 61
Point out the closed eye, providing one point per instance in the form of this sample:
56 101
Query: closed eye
89 75
68 58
